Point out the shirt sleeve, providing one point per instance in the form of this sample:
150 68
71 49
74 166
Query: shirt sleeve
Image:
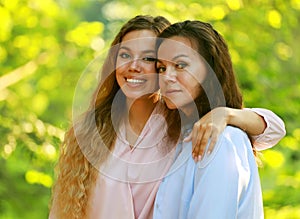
273 133
227 182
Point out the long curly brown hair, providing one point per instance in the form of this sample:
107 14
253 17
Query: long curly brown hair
89 140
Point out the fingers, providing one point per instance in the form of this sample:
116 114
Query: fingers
200 137
196 135
213 141
209 127
205 138
201 134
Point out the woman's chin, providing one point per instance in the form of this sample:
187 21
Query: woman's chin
170 104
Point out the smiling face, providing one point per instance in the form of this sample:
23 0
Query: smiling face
135 65
181 72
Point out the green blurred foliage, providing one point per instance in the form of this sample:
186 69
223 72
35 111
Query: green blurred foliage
46 45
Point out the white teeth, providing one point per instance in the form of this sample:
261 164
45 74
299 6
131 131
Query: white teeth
135 81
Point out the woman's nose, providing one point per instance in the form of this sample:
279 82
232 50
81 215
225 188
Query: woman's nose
135 65
170 75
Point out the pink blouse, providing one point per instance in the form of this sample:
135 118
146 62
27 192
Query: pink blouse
129 179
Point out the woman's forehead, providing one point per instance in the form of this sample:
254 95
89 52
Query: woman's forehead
139 40
173 46
135 34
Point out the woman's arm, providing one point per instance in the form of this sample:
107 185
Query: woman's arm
264 126
272 134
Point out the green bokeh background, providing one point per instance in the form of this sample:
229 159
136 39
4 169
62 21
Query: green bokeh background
46 45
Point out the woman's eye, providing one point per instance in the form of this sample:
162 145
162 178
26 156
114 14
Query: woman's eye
124 55
161 69
181 65
149 59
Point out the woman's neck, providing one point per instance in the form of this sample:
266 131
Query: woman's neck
189 114
139 111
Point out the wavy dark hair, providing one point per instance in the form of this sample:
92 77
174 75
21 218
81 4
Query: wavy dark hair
220 87
212 47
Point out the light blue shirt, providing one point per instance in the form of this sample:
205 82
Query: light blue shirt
223 185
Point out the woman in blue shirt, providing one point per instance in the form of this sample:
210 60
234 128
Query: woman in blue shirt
196 76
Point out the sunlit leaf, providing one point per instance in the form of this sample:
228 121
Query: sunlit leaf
5 24
83 34
10 4
33 177
284 51
218 13
40 103
290 142
283 213
3 54
234 4
118 10
295 4
274 159
274 19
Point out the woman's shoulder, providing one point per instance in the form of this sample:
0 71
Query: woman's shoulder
233 129
229 142
234 133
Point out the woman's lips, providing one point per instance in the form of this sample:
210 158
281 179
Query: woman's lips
172 91
135 82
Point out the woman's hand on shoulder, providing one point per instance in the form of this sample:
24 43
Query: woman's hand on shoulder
209 127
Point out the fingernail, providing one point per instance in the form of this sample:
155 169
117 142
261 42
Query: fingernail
199 157
208 152
195 159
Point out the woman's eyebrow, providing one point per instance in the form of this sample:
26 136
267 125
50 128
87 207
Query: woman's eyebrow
143 51
173 59
124 47
179 56
149 50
